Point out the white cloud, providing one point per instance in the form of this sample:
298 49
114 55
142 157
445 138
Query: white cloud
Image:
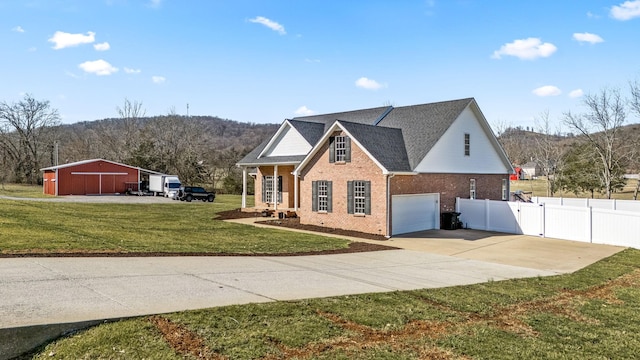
269 23
626 11
368 84
547 90
158 79
18 29
526 49
102 46
63 40
132 71
576 93
98 67
312 60
588 37
155 3
304 111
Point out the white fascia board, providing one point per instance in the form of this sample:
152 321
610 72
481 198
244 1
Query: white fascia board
273 139
492 137
336 125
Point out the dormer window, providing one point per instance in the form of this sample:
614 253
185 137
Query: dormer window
339 149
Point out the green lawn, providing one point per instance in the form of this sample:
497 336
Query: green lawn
591 314
539 188
53 227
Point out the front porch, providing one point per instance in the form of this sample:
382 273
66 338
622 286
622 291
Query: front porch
276 189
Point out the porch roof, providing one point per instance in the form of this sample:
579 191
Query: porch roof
273 160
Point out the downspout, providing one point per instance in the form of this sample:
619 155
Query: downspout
389 176
57 181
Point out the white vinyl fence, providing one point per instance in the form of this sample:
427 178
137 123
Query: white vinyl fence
600 222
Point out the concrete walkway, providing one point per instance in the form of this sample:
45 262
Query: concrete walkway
559 256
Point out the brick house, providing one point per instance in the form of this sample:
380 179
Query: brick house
384 170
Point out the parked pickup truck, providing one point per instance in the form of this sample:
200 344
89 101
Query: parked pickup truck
189 193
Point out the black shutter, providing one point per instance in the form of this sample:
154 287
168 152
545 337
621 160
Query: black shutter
264 188
347 149
279 189
332 149
350 197
329 196
367 197
314 196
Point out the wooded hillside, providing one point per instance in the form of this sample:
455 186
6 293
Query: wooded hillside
201 150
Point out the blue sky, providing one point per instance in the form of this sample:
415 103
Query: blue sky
263 61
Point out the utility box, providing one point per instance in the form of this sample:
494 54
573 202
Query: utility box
450 220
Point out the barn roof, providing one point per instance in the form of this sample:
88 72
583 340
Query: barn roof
89 161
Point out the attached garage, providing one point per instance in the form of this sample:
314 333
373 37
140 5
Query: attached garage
89 177
414 212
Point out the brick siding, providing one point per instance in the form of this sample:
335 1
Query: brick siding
361 167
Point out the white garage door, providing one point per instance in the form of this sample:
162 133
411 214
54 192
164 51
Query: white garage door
415 212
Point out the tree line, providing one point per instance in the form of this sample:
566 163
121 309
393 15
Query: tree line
201 150
597 152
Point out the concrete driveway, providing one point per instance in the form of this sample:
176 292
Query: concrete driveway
36 291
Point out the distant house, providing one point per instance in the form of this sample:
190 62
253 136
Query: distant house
384 170
531 170
517 174
89 177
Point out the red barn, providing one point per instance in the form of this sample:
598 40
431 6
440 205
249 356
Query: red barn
89 177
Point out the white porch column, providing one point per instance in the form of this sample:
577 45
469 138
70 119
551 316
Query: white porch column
295 191
244 187
274 194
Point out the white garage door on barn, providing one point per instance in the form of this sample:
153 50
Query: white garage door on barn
414 212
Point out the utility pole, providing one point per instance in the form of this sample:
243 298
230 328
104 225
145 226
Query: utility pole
187 110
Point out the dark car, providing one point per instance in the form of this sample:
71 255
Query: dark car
188 193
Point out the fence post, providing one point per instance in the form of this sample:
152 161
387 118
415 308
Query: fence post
487 214
542 215
590 224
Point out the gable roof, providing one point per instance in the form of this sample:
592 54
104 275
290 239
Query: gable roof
396 138
82 162
384 144
423 125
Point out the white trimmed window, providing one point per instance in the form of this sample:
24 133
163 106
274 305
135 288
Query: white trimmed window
321 194
341 148
472 189
505 189
467 144
359 197
267 194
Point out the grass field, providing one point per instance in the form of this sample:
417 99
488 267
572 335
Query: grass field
539 188
591 314
62 227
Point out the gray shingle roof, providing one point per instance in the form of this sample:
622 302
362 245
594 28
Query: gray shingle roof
423 125
399 141
385 144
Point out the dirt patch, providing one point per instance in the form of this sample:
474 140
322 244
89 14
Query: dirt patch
183 340
294 223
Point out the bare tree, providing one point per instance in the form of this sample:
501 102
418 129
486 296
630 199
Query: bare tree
601 127
548 152
25 127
